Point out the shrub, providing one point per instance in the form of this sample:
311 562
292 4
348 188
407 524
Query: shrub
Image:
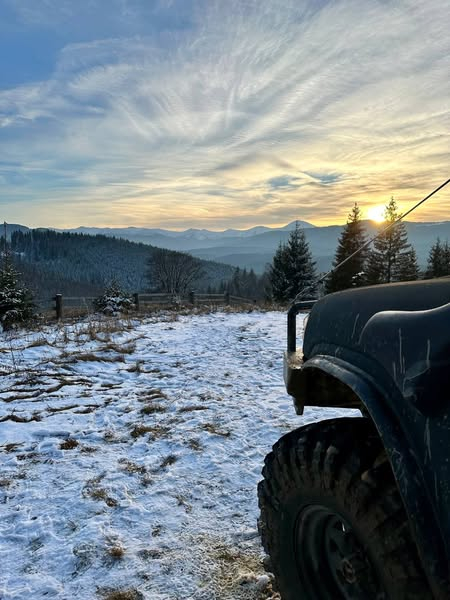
114 300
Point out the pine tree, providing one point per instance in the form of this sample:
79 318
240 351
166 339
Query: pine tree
351 274
16 302
391 257
438 260
293 269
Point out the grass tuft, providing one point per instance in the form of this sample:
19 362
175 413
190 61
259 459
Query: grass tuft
168 461
192 407
69 444
213 429
150 409
131 467
120 594
115 550
194 445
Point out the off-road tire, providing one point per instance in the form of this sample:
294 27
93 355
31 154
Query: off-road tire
337 469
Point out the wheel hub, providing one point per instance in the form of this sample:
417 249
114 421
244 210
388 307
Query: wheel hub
331 560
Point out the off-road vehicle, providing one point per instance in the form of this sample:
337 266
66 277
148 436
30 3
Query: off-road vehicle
358 507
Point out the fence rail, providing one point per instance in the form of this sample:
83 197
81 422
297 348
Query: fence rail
61 305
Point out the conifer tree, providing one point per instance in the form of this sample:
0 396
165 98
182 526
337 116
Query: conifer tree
293 269
114 300
16 305
278 274
438 260
351 274
391 258
407 268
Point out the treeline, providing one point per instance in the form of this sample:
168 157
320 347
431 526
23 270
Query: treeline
391 258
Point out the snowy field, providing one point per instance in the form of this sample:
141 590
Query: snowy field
130 453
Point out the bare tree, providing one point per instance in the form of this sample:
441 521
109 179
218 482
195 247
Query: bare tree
173 272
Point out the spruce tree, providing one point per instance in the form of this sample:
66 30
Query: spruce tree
351 274
293 269
16 303
438 260
407 268
278 274
392 257
114 300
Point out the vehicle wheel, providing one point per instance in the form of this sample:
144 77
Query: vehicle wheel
332 520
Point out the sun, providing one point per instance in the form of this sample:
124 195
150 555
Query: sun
376 213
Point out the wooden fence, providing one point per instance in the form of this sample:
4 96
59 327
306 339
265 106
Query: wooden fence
61 305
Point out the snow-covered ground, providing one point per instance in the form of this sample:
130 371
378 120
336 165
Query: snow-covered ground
130 452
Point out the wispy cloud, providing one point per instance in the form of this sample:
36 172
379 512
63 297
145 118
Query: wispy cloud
220 114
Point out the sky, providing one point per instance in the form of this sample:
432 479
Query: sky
221 113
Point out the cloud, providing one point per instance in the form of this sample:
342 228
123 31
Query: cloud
229 114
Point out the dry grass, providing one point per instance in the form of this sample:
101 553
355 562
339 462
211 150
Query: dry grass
131 467
18 419
27 456
151 554
120 348
88 449
39 341
155 431
150 409
102 494
152 394
237 573
136 368
194 445
168 461
90 357
69 444
87 409
213 429
140 430
57 409
183 501
192 407
93 490
115 550
156 531
11 447
120 594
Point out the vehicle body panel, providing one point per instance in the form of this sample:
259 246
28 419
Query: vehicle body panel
386 350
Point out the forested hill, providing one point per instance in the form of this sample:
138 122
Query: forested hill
77 264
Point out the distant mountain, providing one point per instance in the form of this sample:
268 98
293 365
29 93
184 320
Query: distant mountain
10 228
182 240
255 247
257 250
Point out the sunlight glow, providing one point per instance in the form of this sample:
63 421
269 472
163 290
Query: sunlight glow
376 213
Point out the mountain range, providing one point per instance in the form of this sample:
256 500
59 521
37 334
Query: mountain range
254 248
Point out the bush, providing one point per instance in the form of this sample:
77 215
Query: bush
114 300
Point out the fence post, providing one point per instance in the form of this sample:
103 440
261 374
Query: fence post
227 297
136 301
192 297
59 306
